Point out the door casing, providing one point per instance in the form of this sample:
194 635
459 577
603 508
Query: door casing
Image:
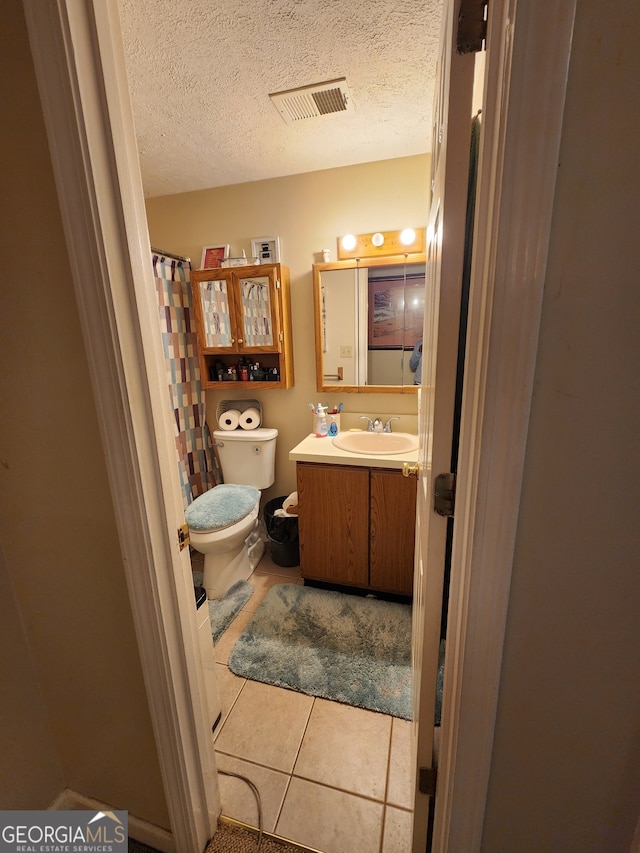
446 225
526 69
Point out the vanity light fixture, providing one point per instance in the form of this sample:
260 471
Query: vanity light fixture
348 243
381 244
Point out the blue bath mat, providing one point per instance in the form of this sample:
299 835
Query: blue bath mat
324 643
222 611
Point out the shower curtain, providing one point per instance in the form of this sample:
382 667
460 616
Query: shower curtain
197 462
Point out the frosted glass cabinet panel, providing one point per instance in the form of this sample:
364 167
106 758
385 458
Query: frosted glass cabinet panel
243 325
216 314
258 320
255 306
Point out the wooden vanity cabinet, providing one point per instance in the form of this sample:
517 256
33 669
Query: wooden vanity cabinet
393 530
357 526
243 313
333 523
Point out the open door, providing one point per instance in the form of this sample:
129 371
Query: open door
445 254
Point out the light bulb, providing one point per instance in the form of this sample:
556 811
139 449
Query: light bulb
377 239
349 242
407 237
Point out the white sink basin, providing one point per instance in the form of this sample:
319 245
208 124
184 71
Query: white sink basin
376 443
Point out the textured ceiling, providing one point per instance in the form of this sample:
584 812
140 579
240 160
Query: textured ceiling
201 72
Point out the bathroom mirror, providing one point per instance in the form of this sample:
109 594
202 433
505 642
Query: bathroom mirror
369 315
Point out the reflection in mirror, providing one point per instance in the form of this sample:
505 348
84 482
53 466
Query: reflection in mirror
369 317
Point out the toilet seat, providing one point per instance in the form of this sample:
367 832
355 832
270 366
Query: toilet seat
220 507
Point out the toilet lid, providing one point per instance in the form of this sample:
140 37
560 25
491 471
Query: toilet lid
221 507
259 434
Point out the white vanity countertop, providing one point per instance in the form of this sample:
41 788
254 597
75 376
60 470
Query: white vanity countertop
312 449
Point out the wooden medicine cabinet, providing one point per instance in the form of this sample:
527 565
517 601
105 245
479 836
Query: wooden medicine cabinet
243 325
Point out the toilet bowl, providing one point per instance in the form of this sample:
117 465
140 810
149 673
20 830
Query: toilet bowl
223 522
227 555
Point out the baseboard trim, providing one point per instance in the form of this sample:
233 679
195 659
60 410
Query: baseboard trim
143 831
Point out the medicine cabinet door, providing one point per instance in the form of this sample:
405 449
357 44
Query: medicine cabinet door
214 304
257 300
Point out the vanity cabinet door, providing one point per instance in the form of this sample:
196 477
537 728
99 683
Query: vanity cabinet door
334 523
393 530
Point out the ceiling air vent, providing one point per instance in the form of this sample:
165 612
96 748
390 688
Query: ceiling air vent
313 101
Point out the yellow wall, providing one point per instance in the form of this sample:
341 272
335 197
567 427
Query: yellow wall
308 212
73 708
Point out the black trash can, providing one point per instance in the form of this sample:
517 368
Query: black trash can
282 534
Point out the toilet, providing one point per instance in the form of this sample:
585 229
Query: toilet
223 522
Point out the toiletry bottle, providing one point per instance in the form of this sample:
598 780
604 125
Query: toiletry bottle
333 426
320 418
324 427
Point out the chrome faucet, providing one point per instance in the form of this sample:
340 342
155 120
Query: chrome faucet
377 425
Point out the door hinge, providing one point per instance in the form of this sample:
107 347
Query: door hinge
445 494
277 284
471 36
427 778
281 337
183 536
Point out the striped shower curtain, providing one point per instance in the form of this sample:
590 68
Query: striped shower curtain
197 463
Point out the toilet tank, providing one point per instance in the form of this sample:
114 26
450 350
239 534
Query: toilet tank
247 456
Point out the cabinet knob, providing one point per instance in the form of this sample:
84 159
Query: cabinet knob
239 340
409 470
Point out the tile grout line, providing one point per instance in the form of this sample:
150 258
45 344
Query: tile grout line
233 704
284 797
340 790
386 788
295 761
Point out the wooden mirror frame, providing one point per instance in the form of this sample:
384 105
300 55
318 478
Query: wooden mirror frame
318 269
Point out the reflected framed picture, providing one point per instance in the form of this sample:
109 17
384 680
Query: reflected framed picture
212 256
396 311
266 250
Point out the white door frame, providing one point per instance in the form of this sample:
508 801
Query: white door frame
77 49
451 122
529 46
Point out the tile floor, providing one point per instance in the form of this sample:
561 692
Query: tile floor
332 777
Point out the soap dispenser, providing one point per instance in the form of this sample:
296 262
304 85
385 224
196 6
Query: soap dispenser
324 427
321 427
